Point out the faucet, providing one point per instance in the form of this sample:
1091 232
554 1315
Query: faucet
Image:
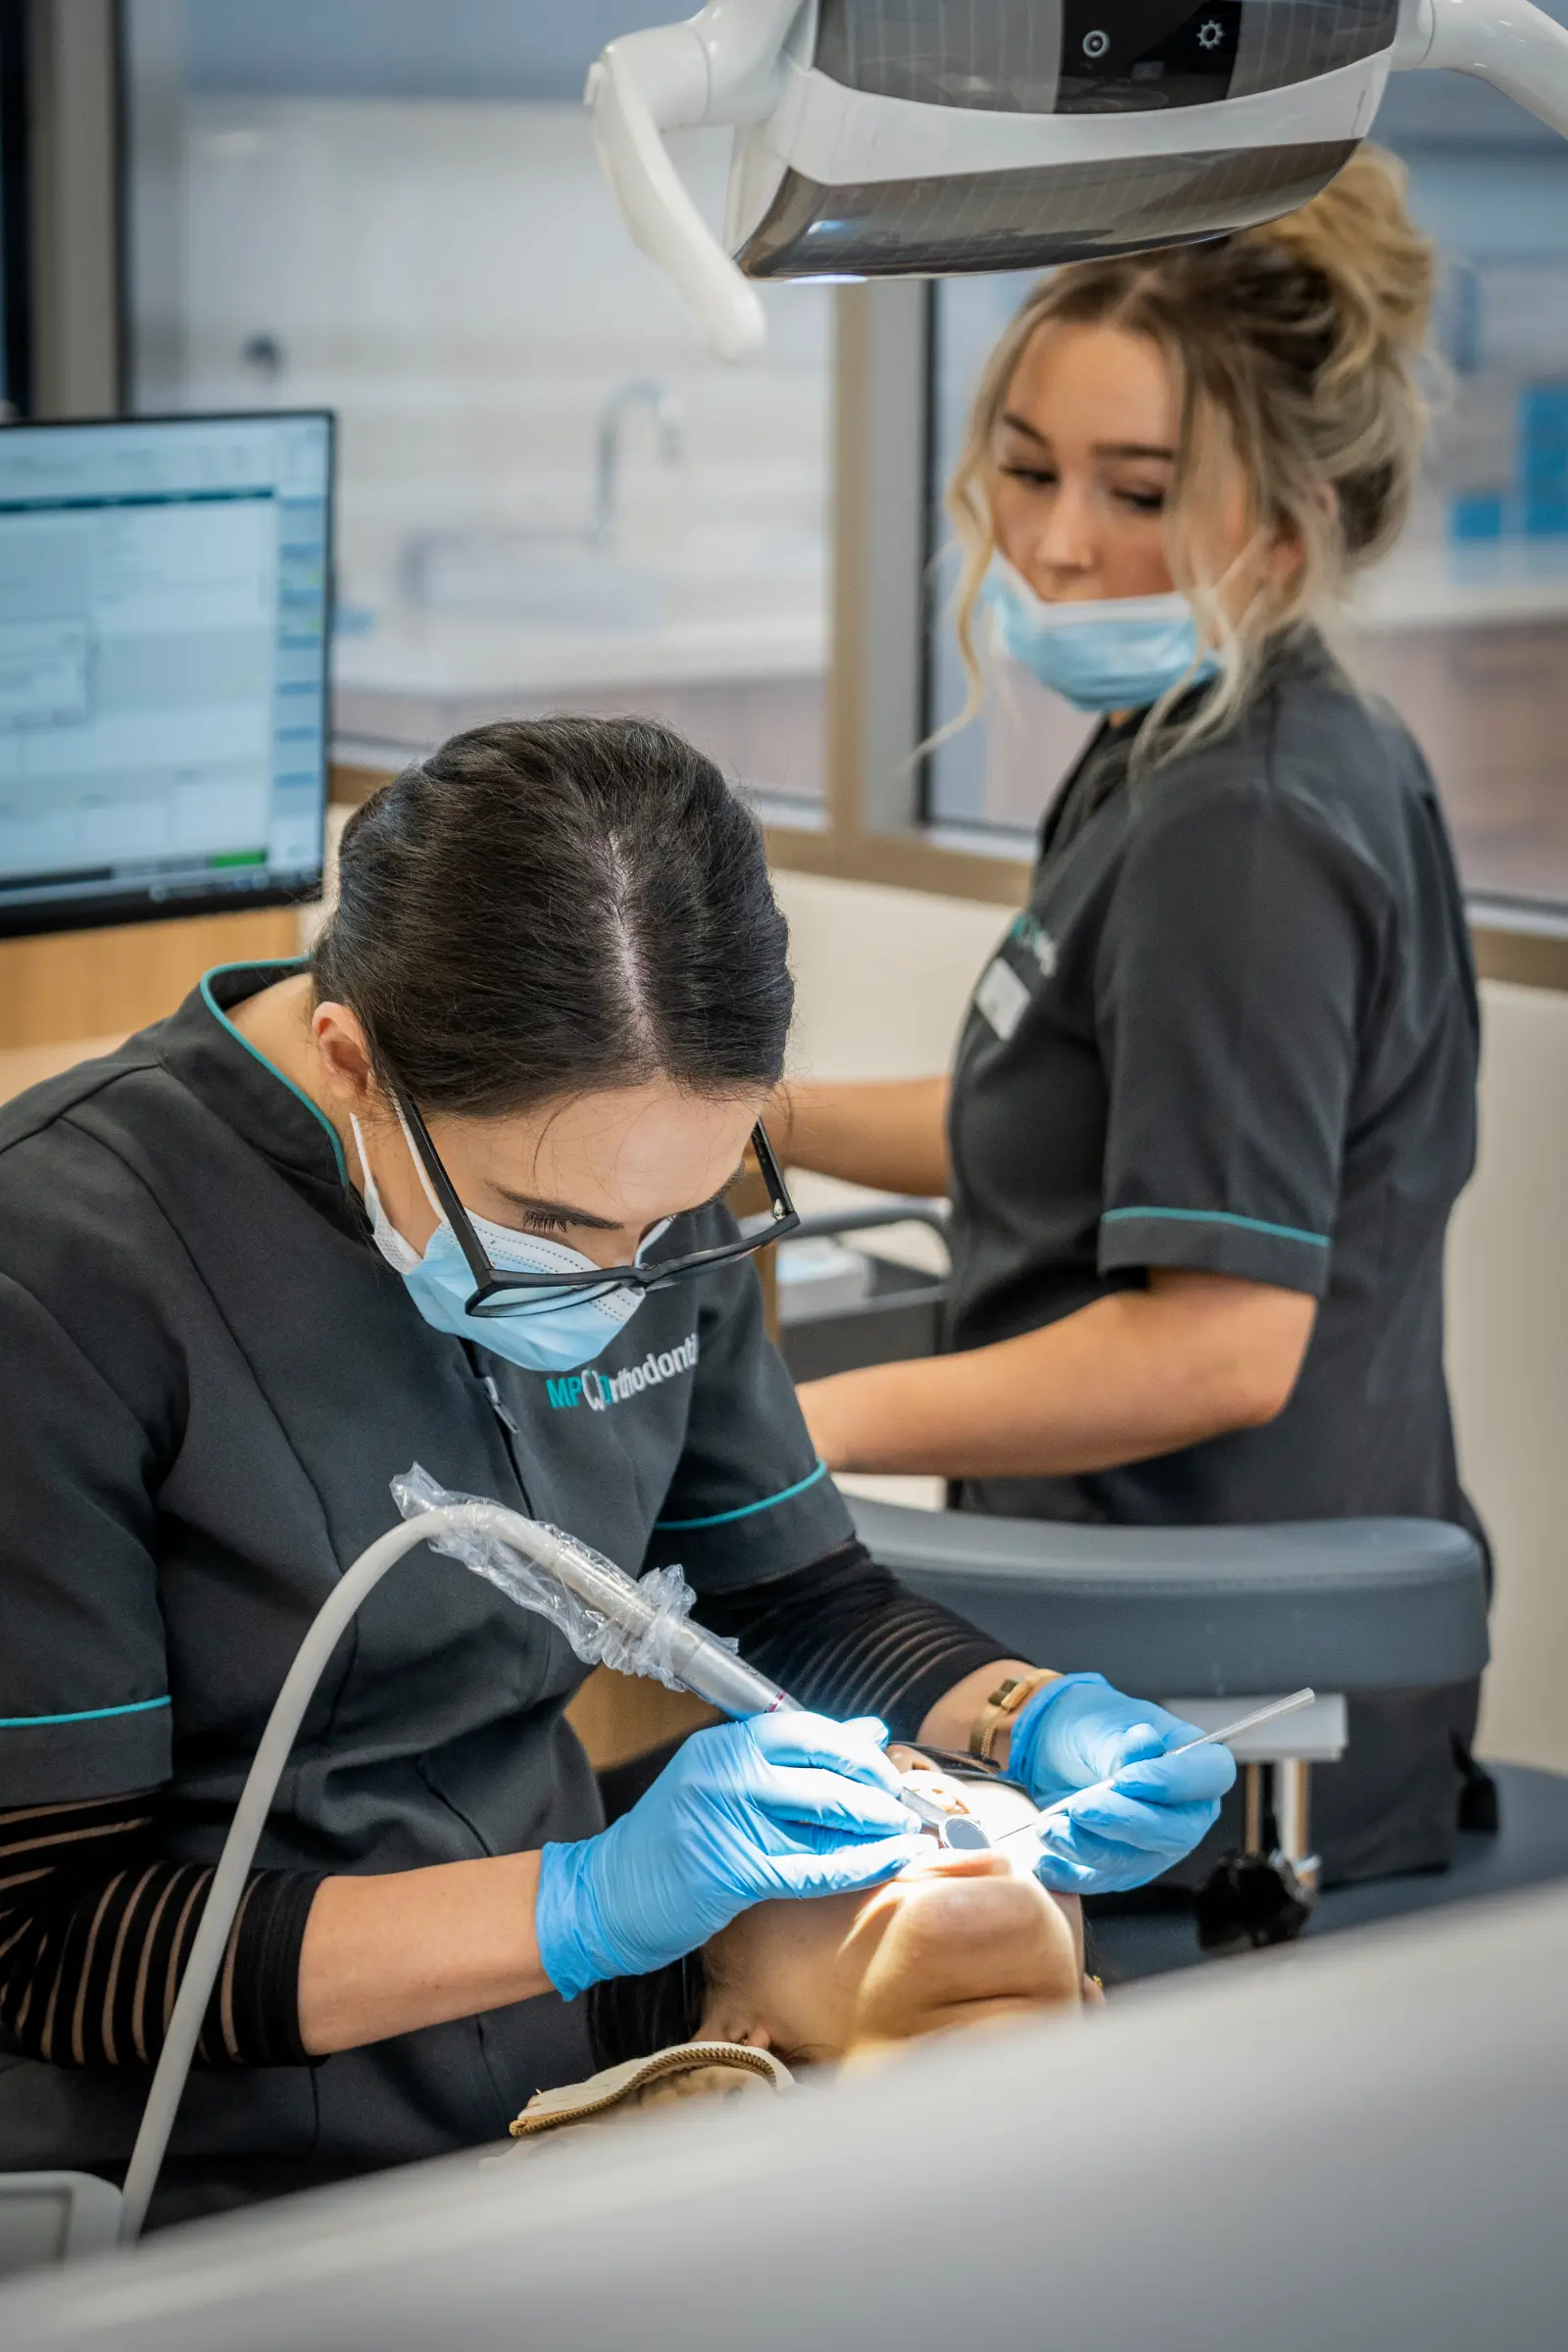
641 391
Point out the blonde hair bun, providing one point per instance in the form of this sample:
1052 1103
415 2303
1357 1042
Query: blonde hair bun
1377 268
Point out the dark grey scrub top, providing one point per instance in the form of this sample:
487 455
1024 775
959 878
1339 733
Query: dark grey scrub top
1236 1028
208 1378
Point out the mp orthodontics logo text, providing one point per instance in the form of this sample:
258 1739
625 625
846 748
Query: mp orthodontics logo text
601 1390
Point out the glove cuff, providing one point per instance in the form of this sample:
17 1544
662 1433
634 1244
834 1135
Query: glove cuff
572 1946
1023 1748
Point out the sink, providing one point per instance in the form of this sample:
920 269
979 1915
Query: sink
553 583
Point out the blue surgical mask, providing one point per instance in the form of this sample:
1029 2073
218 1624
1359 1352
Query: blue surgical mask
1120 652
559 1334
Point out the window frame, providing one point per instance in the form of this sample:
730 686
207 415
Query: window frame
16 211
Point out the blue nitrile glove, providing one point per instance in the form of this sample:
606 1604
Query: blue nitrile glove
788 1804
1078 1731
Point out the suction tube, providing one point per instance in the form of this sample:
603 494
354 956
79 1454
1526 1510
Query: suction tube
701 1663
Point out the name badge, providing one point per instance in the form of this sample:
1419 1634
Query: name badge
1003 999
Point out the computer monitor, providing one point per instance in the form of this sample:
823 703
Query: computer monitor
163 590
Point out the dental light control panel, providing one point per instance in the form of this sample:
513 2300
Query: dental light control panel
1117 59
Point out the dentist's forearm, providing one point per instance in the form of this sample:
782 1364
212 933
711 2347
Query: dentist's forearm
888 1135
389 1954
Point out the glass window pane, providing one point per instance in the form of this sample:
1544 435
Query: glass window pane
998 772
1465 627
550 496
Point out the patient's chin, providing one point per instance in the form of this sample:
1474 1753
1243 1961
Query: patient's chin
960 1944
876 2048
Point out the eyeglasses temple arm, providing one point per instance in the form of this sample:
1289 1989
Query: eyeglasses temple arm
771 1174
457 1215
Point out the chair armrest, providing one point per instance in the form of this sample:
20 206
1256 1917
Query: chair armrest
1349 1604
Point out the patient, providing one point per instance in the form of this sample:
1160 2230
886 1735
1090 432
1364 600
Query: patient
959 1939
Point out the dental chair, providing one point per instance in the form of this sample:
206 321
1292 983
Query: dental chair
1209 1621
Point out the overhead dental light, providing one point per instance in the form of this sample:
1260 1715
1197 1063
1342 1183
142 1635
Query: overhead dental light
911 138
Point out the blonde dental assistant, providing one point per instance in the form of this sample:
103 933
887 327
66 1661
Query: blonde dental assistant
448 1195
1215 1096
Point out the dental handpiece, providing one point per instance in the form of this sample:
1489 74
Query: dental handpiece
711 1670
1226 1732
706 1666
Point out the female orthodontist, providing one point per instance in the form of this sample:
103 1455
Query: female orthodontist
327 1222
1215 1097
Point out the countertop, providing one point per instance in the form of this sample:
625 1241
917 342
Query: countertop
415 677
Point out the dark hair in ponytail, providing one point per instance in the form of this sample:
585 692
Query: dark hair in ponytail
555 906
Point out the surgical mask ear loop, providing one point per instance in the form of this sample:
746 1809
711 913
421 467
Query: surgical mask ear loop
398 1253
419 1168
370 1189
373 1191
1206 601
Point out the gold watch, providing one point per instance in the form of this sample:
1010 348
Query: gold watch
1003 1705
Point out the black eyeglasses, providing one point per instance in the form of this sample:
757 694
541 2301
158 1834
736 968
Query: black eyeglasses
499 1293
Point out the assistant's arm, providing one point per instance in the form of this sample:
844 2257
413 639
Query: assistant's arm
889 1134
1136 1374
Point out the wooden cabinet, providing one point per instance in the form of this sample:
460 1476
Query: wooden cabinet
93 984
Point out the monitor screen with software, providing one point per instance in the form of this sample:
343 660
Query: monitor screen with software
163 603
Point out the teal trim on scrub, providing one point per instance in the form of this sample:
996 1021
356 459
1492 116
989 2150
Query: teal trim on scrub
284 964
1220 1216
748 1510
137 1706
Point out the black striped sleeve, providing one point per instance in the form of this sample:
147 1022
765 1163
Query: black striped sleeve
844 1636
96 1926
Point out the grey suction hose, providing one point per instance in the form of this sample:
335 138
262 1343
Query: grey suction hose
705 1665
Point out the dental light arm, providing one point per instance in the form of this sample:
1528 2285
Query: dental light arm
837 171
719 66
645 84
1518 49
705 1665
